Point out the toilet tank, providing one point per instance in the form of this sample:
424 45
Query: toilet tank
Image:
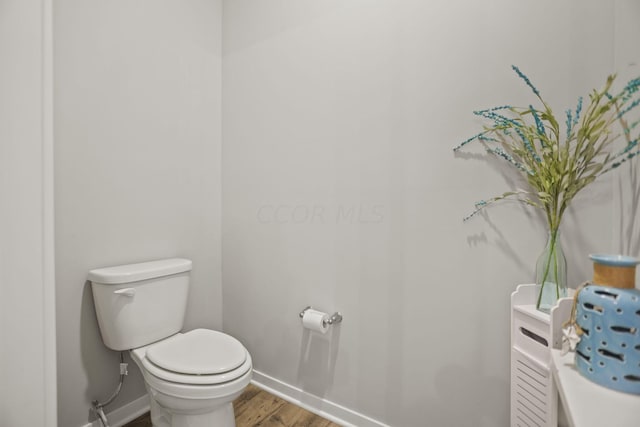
137 304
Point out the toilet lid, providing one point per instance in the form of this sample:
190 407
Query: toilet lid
198 352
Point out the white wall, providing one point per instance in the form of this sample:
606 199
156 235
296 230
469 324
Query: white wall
137 159
341 191
340 187
27 297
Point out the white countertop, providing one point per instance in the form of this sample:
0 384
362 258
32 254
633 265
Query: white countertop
588 404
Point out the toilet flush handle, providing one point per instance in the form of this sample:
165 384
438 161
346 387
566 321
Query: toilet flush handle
127 292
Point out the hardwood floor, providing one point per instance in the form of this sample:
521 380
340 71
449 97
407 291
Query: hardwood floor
257 408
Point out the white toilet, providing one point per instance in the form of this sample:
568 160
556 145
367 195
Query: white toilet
192 377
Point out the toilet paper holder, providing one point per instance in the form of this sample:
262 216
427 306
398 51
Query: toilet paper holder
335 318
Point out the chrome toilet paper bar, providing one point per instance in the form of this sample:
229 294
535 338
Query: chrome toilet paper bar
335 318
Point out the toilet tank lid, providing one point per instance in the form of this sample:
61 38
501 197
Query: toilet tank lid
141 271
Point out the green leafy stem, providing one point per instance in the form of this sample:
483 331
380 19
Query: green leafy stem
557 163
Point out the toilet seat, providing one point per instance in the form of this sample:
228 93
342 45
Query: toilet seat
197 357
198 352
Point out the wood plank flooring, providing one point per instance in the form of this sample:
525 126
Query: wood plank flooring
257 408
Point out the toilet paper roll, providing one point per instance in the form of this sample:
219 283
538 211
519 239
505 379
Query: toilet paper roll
315 320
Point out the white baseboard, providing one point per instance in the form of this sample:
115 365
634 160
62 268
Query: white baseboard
322 407
129 412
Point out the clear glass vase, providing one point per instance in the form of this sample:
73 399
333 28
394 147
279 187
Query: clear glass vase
551 273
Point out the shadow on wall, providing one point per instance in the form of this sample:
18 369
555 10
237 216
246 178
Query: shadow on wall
316 367
629 190
477 408
512 180
100 382
91 347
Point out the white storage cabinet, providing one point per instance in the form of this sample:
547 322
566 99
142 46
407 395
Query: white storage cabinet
534 397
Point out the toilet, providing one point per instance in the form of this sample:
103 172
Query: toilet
192 377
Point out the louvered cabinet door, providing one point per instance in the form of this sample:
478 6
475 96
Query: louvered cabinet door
533 396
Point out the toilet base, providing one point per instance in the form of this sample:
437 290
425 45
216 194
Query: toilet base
188 405
221 416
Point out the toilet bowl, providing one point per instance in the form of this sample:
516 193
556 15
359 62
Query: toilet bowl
192 377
